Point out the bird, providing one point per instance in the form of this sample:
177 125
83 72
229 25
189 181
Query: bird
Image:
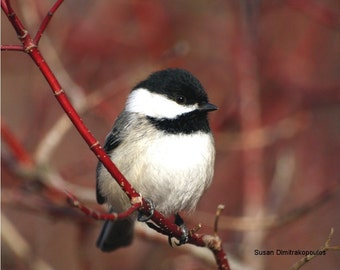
162 143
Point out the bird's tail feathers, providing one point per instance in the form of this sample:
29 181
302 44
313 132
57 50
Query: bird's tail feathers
116 234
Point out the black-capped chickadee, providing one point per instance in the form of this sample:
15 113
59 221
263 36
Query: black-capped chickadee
163 145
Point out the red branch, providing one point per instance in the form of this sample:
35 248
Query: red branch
46 21
98 215
16 148
12 48
29 46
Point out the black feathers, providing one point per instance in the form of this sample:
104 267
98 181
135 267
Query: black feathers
182 87
184 124
177 84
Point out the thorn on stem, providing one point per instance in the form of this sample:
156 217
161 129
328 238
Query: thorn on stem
329 237
219 210
195 229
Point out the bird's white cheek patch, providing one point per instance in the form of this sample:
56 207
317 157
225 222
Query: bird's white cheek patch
155 105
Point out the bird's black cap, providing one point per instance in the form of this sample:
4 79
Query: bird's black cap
182 87
177 84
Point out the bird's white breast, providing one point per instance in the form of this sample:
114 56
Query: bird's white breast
171 170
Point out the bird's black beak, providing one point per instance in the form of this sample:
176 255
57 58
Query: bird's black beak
207 107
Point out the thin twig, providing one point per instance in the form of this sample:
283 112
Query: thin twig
98 215
271 221
321 251
12 48
4 6
219 210
16 147
46 21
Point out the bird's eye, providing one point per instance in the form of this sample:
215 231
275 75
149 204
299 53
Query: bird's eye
180 99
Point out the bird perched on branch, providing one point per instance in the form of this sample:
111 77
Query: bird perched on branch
163 145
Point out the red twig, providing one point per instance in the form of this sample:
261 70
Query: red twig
30 47
4 6
12 48
221 259
46 21
22 33
98 215
14 145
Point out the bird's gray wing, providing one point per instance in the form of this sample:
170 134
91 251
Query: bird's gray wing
112 141
119 233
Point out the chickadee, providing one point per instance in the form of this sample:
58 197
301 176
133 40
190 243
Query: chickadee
163 145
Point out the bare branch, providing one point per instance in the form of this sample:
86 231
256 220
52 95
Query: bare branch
46 21
16 147
12 48
102 216
326 247
219 210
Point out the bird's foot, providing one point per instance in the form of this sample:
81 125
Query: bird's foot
143 218
185 232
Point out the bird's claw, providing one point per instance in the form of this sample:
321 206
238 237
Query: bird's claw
185 232
143 218
184 237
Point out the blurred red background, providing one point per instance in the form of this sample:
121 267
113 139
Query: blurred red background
273 69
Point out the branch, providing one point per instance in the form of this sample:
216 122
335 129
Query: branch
15 146
272 221
12 48
101 216
4 6
46 21
31 48
326 247
17 25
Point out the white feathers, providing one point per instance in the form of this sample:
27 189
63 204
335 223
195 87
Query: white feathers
171 170
155 105
181 168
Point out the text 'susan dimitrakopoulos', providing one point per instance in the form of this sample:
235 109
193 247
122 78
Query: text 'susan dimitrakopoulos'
297 252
